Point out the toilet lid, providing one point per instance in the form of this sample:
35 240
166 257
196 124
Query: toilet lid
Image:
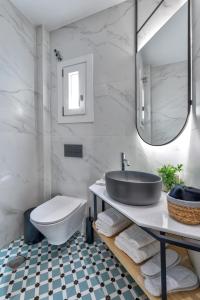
55 210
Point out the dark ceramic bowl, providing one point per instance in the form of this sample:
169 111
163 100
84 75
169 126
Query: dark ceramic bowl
133 187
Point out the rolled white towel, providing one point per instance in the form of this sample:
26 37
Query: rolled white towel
137 255
107 230
179 278
137 237
111 217
101 181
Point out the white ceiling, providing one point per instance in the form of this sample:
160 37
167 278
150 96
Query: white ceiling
56 13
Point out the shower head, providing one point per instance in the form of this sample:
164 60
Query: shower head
58 55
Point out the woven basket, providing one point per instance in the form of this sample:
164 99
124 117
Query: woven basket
186 212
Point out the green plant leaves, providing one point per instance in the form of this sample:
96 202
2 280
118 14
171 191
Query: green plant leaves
171 175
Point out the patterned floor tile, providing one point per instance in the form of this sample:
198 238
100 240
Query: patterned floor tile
71 271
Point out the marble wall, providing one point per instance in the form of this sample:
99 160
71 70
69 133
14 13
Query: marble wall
19 167
109 36
27 148
44 115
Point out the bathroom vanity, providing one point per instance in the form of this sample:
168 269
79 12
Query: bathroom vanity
156 221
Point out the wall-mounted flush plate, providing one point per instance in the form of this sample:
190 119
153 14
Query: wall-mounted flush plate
73 150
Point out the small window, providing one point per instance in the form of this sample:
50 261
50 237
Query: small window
74 96
75 90
74 79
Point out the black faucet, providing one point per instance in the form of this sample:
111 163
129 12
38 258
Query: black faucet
124 162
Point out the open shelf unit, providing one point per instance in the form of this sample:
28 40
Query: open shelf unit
134 269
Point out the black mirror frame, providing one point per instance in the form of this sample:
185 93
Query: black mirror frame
190 101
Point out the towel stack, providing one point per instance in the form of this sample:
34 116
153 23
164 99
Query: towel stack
110 222
137 244
179 278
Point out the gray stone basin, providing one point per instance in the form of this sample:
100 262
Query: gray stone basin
133 187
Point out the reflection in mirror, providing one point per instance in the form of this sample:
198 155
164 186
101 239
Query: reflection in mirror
147 7
162 81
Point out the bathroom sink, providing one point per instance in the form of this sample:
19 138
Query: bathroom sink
133 187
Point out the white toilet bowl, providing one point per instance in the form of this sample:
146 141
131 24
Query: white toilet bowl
59 218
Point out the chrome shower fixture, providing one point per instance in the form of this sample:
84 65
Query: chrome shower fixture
58 55
144 79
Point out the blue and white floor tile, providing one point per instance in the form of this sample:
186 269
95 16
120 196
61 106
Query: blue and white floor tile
72 271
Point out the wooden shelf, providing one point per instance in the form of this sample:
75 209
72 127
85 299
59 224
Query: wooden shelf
134 269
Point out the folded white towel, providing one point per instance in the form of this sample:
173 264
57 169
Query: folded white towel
152 267
101 181
111 217
179 278
107 230
137 255
137 237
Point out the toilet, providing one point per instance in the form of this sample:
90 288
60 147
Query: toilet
59 218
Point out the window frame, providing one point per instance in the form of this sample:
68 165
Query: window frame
76 116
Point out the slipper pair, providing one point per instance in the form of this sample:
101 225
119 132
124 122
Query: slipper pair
179 278
152 267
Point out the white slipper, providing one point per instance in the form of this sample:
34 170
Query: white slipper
179 279
152 267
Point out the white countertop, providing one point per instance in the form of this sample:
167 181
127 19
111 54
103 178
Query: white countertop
154 216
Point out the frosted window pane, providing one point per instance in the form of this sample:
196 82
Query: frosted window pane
73 96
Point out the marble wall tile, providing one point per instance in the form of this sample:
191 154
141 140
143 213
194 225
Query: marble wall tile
19 167
44 109
70 176
25 122
109 35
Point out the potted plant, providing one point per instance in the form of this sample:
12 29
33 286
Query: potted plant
171 176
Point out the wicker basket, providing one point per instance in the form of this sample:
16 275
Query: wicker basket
186 212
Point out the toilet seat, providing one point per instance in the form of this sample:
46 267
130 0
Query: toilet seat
55 210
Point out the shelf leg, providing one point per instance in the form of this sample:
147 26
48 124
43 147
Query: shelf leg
103 205
163 270
95 207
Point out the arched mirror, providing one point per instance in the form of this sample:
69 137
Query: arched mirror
163 69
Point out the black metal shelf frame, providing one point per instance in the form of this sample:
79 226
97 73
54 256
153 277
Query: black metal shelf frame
163 239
